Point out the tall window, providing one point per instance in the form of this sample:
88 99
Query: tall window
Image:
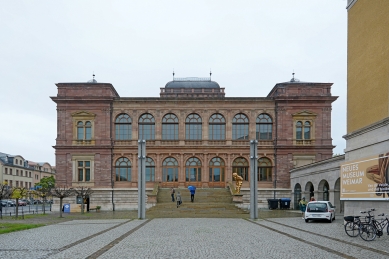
264 169
83 168
193 170
193 127
170 127
306 129
264 126
84 130
123 127
299 130
147 127
240 127
170 170
241 167
217 127
150 170
123 169
216 170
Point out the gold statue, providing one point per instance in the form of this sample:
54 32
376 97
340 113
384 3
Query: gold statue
239 180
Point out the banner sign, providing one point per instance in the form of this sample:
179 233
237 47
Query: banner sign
366 179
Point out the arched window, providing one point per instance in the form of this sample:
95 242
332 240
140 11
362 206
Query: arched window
193 170
123 127
170 170
170 127
193 127
84 131
299 130
264 169
147 127
307 130
150 170
216 170
123 169
264 126
240 127
241 167
217 127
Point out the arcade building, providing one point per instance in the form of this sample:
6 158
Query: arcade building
194 134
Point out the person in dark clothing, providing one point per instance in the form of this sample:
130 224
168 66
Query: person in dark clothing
172 192
192 193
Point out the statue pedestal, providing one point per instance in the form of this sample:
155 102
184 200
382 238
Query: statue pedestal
237 198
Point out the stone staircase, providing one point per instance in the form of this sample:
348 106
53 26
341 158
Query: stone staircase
208 203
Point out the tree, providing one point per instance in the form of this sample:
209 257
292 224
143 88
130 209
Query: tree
84 193
5 193
61 193
46 182
18 193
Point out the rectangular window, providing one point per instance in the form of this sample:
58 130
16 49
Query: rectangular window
169 131
88 133
193 131
80 133
10 183
10 171
83 168
29 174
21 183
123 131
6 170
17 172
150 174
147 132
217 132
17 183
29 185
21 172
307 133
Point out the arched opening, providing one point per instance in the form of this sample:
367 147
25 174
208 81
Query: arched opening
337 202
324 190
170 170
241 167
297 195
309 189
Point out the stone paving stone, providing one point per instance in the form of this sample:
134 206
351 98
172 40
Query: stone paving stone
96 243
333 244
209 238
189 238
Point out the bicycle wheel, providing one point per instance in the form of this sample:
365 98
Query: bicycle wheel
351 229
367 232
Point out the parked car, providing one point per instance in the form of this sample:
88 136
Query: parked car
8 203
22 203
37 202
26 201
319 210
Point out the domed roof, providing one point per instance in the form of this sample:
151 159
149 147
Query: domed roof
192 82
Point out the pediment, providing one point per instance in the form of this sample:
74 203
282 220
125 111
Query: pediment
304 113
83 114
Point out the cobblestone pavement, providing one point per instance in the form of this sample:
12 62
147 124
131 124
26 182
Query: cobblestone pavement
191 238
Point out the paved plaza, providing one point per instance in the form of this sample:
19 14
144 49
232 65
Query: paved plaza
191 238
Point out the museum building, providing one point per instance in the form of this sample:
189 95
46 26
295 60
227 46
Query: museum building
194 134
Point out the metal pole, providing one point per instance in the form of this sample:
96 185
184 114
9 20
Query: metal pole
141 179
253 179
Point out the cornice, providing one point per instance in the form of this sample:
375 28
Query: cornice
371 127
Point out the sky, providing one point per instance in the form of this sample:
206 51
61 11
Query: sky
249 45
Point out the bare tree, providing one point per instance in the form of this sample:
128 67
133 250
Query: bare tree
84 193
43 193
61 193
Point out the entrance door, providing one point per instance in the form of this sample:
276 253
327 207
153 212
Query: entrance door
216 172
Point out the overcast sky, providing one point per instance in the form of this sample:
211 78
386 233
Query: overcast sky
249 45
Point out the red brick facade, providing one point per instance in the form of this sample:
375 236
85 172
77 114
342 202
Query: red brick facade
100 105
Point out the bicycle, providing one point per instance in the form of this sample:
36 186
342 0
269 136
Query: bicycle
364 229
379 225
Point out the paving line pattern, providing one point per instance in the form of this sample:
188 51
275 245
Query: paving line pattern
316 236
210 238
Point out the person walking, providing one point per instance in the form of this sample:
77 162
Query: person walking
192 193
178 198
312 199
172 192
303 206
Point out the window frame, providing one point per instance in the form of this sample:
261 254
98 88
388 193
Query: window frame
170 127
264 121
217 123
240 125
123 127
193 124
149 120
